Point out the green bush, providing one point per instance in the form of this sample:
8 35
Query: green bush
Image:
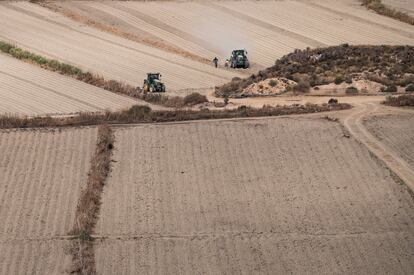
351 91
339 79
272 83
391 89
410 88
5 47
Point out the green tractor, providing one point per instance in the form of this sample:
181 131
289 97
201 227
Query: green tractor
239 59
153 83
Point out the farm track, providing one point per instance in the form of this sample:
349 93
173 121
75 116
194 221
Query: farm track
396 132
41 175
30 90
233 196
390 156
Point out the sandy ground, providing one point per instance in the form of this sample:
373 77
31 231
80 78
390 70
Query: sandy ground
395 131
29 90
267 29
42 31
265 196
41 175
402 5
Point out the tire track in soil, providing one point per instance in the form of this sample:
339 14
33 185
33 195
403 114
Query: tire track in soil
253 20
355 126
43 18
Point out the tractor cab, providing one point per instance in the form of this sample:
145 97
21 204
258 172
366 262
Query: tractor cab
153 83
239 59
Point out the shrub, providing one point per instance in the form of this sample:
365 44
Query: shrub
390 89
194 98
272 83
410 88
351 91
339 79
139 111
302 86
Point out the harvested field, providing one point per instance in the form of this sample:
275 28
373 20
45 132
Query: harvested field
55 36
270 196
267 29
396 131
29 90
41 176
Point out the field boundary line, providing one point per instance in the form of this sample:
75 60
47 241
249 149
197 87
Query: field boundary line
88 207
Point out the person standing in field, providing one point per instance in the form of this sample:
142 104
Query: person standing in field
215 61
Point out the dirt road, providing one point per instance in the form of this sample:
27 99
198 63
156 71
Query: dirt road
354 123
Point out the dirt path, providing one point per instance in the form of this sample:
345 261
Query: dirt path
354 123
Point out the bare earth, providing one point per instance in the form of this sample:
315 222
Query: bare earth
29 90
395 131
53 35
270 196
267 29
41 176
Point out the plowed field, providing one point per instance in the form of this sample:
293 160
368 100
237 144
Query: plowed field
43 31
41 173
267 29
270 196
29 90
396 132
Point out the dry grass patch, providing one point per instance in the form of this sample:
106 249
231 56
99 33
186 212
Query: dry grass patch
400 101
380 8
89 204
144 114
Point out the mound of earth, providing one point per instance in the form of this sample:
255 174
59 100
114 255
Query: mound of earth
364 86
271 86
385 65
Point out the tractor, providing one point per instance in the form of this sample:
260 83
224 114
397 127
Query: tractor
239 59
153 83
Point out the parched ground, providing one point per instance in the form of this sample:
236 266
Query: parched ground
267 29
53 35
396 131
29 90
265 196
41 173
